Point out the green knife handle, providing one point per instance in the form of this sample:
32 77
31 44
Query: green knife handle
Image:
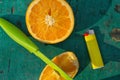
17 35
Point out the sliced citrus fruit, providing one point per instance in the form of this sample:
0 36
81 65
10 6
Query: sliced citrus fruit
50 21
67 61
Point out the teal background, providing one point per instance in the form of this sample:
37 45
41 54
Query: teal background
16 63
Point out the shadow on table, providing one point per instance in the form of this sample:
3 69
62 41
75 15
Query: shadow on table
117 77
86 14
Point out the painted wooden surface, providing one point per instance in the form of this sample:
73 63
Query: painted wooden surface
16 63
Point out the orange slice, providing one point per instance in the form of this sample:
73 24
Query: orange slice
67 61
50 21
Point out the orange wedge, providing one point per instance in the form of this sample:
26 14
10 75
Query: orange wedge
50 21
67 61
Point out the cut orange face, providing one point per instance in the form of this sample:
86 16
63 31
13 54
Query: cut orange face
67 61
50 21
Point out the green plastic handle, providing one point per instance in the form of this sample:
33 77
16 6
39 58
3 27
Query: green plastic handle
18 36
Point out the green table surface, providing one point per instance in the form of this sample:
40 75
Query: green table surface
16 63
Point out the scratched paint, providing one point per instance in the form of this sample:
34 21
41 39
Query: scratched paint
115 34
117 8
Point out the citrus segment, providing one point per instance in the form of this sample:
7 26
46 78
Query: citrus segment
67 61
50 21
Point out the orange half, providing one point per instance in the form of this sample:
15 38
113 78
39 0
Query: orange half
67 61
50 21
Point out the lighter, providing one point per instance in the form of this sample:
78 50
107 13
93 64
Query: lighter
93 49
